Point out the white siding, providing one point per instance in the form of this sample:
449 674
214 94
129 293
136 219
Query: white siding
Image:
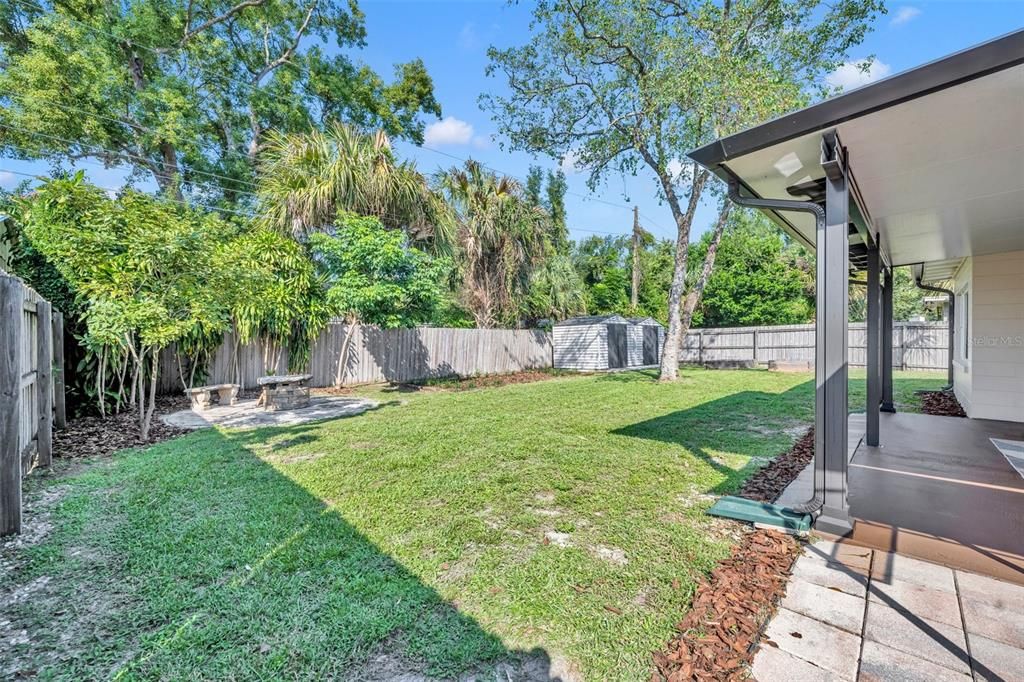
962 368
992 378
582 347
634 345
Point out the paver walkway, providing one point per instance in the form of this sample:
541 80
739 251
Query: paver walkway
852 613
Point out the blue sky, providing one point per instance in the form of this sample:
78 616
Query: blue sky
452 39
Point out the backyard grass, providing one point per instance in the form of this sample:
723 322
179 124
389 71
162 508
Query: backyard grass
557 523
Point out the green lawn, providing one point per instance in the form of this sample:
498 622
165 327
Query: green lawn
411 538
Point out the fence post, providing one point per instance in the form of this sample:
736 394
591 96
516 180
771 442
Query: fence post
12 314
903 346
59 410
44 382
755 346
700 348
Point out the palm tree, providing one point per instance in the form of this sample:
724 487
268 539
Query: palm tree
499 238
306 178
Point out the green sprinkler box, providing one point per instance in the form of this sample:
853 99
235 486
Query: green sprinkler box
762 514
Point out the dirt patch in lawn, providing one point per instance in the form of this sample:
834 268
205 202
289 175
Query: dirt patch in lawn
941 404
767 483
94 436
721 630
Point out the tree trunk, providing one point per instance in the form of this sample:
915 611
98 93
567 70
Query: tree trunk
351 325
147 415
634 289
693 296
674 336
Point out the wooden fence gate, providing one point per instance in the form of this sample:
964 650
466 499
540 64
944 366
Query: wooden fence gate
31 390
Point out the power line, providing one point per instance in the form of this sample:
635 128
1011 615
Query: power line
36 176
165 52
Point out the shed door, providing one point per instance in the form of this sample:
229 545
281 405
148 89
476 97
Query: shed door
650 345
617 346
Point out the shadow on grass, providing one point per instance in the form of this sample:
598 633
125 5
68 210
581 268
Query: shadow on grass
212 564
752 424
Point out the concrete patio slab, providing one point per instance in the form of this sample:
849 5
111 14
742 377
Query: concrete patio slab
879 663
776 664
916 635
887 567
832 576
1002 623
911 631
939 605
837 553
811 640
245 414
995 660
844 611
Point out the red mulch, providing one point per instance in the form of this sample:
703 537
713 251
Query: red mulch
719 634
94 436
768 483
941 404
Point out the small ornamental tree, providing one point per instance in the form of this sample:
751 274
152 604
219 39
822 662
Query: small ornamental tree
374 277
144 270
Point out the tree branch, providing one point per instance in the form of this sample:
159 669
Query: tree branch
191 33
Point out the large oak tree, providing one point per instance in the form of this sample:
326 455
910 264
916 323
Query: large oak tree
622 86
185 91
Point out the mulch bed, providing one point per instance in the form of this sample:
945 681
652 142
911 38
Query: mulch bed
93 436
719 634
768 483
941 404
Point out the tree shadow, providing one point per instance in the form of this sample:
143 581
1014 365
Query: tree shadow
753 424
400 354
218 565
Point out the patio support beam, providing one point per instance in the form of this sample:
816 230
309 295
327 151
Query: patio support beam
887 291
874 346
830 366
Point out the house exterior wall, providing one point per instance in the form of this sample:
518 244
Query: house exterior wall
990 380
580 347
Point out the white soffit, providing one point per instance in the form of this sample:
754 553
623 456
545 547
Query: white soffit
942 175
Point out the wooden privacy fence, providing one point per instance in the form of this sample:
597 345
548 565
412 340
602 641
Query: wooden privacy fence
915 345
31 390
378 355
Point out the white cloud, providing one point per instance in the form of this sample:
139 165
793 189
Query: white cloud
854 74
448 130
905 14
482 141
6 178
570 163
681 172
468 38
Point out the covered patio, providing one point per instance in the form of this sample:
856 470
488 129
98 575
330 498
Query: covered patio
939 490
924 170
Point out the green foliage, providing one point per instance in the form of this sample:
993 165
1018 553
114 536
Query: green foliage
556 290
374 277
276 294
307 178
753 282
907 302
500 238
605 267
176 88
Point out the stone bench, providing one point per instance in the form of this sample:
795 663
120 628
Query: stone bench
227 394
284 392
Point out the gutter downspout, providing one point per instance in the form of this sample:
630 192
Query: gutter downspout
816 502
952 323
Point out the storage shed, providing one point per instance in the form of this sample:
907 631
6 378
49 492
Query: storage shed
601 342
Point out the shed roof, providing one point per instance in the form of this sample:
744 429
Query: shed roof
587 320
646 321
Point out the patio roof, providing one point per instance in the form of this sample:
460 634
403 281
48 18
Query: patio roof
936 153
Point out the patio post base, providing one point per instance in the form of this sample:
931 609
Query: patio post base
888 407
834 522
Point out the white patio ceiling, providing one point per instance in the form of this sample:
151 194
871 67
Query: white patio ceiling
941 172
